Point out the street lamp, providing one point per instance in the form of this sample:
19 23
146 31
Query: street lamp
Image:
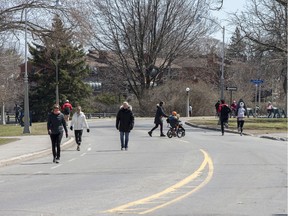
26 94
187 102
57 3
198 19
222 65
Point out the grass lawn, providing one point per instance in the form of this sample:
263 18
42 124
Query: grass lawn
16 130
7 140
253 125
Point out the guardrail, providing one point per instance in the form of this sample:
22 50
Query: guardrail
100 115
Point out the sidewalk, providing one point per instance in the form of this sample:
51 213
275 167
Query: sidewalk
28 147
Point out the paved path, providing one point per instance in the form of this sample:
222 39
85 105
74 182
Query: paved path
34 146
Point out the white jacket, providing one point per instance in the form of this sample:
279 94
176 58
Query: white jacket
79 121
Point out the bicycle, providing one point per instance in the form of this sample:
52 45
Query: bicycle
173 132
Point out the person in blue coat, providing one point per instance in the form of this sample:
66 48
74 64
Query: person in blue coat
124 123
158 120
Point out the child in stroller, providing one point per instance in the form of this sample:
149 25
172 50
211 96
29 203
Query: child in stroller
176 127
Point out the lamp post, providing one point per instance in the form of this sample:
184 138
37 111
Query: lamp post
222 65
26 94
57 3
187 102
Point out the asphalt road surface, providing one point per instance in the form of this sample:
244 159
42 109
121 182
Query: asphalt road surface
201 174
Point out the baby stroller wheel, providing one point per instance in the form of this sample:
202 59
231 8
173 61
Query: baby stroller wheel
180 132
170 133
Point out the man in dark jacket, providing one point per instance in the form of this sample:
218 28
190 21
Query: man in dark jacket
224 111
158 119
125 123
56 124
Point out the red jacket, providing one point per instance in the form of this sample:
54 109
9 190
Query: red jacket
67 104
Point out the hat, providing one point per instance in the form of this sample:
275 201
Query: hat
161 103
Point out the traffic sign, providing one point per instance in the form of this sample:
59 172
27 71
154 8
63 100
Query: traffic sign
257 81
231 88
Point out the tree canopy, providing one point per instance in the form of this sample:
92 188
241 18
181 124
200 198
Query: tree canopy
57 51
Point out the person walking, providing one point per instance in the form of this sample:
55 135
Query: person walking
78 123
56 125
224 111
66 109
269 110
158 119
124 123
241 112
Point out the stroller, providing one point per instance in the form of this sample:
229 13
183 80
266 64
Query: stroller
175 128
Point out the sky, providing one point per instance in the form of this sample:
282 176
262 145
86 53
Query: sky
229 6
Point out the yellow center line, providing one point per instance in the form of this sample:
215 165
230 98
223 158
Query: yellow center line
207 161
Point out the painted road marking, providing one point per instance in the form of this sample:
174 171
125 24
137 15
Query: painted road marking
172 194
72 159
56 166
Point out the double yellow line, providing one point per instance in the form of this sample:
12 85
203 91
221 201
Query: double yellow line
171 194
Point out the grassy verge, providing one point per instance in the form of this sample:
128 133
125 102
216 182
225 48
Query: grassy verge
16 130
7 140
253 125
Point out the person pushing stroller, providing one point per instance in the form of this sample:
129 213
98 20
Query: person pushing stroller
174 122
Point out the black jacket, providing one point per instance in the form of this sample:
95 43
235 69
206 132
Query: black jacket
159 114
56 123
125 120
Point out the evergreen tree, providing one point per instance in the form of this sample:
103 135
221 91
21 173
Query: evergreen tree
237 47
58 51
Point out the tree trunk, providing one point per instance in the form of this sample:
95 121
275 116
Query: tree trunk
3 114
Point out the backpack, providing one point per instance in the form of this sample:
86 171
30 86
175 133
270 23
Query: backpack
66 110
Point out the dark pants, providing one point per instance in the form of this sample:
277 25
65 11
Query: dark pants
124 138
156 126
78 136
240 124
56 141
223 121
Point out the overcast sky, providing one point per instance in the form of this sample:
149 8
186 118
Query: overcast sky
229 6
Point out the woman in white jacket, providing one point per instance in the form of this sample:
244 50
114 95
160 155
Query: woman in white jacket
78 123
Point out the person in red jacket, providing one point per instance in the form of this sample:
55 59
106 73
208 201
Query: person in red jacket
66 109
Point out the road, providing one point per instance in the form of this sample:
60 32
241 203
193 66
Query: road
201 174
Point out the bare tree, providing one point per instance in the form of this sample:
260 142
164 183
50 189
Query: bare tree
9 78
145 36
264 24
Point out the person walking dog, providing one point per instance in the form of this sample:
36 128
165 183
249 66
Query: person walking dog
124 123
78 123
56 125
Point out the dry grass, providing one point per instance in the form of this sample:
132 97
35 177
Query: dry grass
252 125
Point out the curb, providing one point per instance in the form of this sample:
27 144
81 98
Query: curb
34 155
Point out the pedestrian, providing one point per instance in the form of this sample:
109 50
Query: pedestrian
190 110
233 109
241 112
217 104
66 109
224 111
56 125
78 123
158 119
269 110
125 123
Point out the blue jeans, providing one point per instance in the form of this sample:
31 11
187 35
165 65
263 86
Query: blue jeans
124 143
